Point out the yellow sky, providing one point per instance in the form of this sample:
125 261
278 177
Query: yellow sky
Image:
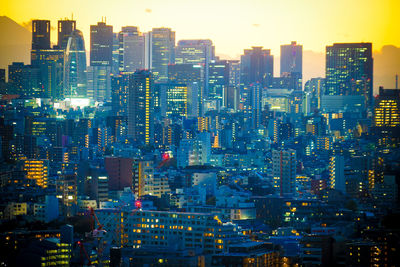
232 25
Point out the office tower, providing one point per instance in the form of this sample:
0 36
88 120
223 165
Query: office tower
292 63
40 34
24 80
255 104
218 80
173 100
161 45
232 97
99 83
284 170
15 77
336 173
234 72
313 89
65 30
196 52
349 70
131 49
140 107
193 77
50 63
101 44
257 65
37 170
120 93
115 54
75 79
387 114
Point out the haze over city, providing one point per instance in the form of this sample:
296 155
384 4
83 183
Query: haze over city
199 133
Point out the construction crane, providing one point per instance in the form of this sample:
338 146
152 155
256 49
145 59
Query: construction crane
83 252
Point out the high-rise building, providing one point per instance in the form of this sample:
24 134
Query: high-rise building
292 63
173 100
313 90
41 34
120 94
257 65
131 49
349 70
196 52
115 54
99 83
15 77
50 63
255 104
284 170
140 107
75 79
65 30
218 80
161 46
336 173
101 44
387 114
193 77
24 80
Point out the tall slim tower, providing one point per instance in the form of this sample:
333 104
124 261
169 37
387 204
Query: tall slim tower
162 46
292 63
75 79
349 70
65 30
101 44
40 34
140 107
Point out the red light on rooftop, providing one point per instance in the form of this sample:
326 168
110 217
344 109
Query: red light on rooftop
138 204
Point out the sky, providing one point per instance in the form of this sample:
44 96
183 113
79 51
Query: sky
233 25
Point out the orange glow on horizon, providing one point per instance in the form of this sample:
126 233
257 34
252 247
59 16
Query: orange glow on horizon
233 25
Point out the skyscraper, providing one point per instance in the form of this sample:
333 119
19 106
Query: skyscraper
257 65
140 107
65 30
75 79
196 52
101 44
284 170
131 49
192 76
120 94
292 63
99 83
218 80
161 45
41 34
349 70
173 100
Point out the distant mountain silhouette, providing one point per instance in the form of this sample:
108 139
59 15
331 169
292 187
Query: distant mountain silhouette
15 42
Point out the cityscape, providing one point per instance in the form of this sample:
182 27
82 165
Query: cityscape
129 147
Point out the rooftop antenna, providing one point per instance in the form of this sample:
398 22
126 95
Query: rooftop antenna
72 16
397 81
